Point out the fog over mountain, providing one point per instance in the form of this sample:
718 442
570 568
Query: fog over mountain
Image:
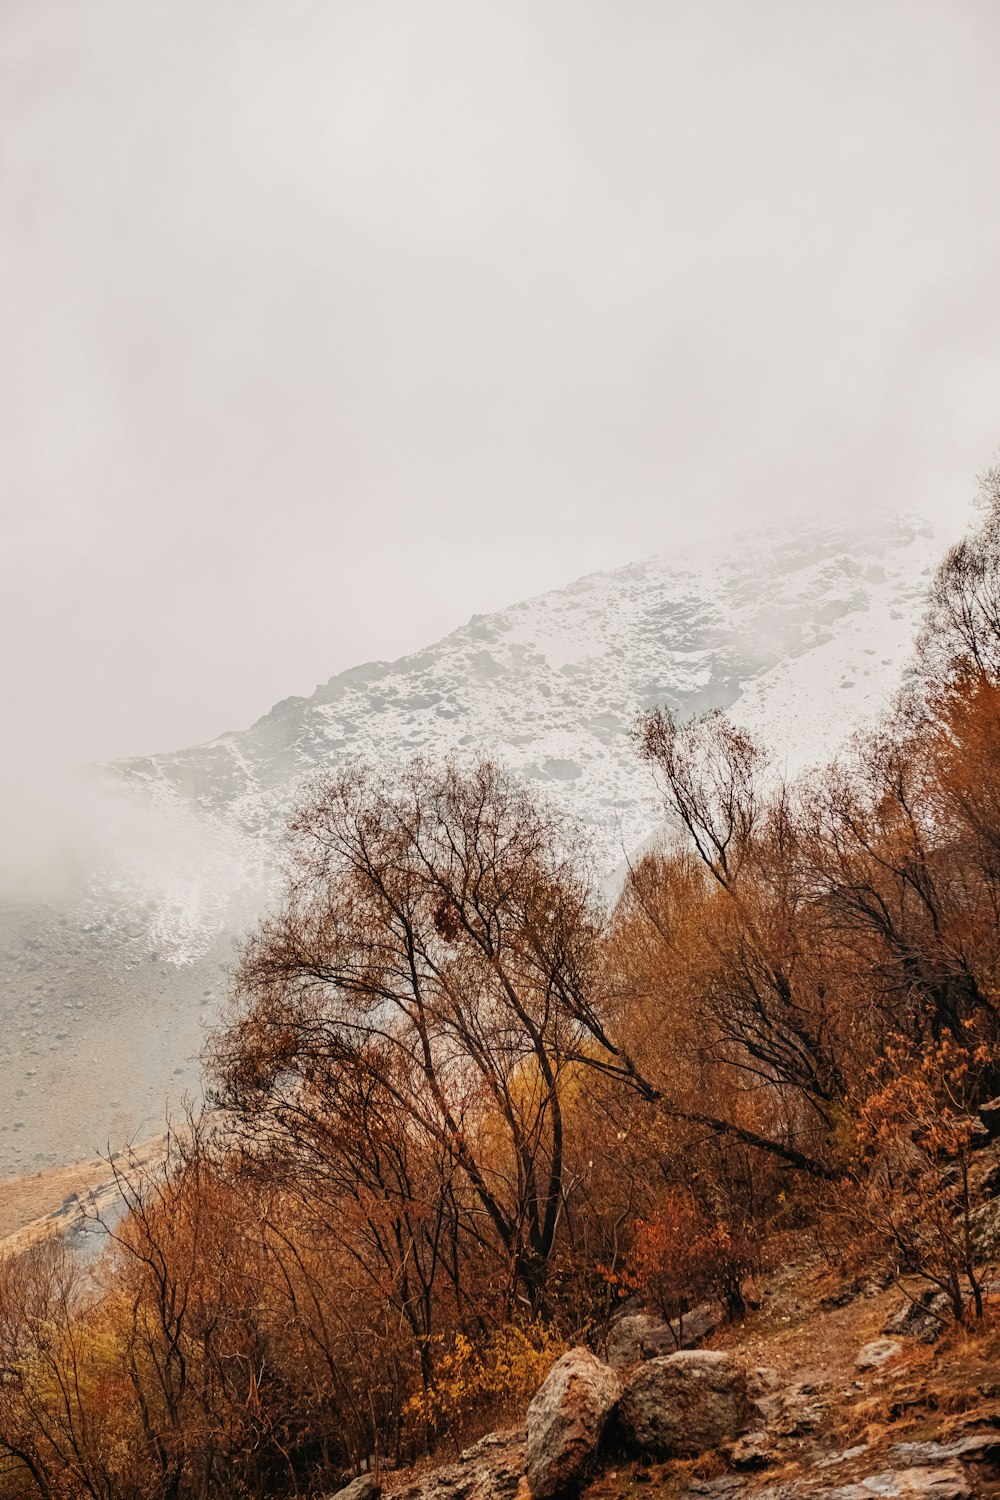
106 979
328 324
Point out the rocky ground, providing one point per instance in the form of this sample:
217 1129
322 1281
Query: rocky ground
827 1392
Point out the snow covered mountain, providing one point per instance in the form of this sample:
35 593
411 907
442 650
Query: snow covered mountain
800 634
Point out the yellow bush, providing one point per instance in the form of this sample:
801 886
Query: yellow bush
507 1368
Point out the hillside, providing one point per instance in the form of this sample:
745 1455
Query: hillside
841 1407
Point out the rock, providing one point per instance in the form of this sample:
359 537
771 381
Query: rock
845 1456
362 1488
989 1185
566 1421
894 1484
878 1353
755 1450
725 1484
989 1114
986 1227
642 1335
637 1337
765 1379
947 1483
791 1410
973 1447
685 1403
491 1469
698 1324
923 1318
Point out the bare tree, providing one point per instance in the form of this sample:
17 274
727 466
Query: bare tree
436 934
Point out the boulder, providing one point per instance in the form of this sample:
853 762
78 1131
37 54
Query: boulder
685 1403
362 1488
566 1421
491 1469
642 1335
878 1353
637 1337
697 1324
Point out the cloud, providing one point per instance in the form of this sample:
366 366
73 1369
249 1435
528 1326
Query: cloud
325 329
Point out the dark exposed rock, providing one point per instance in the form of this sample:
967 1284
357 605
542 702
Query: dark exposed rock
924 1317
989 1114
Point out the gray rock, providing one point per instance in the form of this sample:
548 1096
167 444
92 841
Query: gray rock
755 1450
685 1403
362 1488
642 1335
637 1337
792 1411
698 1324
986 1227
491 1469
972 1448
566 1421
845 1456
726 1484
948 1483
878 1353
893 1484
989 1183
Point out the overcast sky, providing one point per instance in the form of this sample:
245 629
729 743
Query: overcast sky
323 324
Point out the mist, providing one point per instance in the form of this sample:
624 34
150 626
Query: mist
328 325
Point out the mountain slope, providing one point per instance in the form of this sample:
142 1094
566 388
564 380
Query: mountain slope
102 990
805 634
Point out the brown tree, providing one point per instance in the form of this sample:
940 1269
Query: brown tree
436 940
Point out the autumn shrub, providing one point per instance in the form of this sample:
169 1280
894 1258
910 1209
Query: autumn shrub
914 1185
495 1375
679 1256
